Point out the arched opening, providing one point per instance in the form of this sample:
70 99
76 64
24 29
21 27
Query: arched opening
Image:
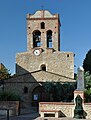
43 67
36 38
42 25
38 95
67 55
49 39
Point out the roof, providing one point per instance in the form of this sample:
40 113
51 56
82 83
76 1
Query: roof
40 76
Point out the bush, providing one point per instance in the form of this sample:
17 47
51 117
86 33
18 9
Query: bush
60 92
87 95
9 96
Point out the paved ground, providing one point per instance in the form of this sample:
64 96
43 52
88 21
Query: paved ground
35 116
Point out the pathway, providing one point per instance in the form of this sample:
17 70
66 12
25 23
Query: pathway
34 116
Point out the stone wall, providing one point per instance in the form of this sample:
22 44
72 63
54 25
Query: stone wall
13 107
31 81
61 63
51 21
17 83
66 108
87 109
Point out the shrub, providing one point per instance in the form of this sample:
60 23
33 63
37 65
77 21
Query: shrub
87 95
9 96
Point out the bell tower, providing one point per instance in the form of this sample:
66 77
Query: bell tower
43 31
43 47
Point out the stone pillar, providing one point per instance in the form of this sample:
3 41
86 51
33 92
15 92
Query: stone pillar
80 84
80 81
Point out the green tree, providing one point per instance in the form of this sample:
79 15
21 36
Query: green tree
87 80
60 91
4 73
87 62
9 96
87 95
68 91
55 90
87 92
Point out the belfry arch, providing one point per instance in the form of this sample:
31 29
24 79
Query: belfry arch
49 39
36 38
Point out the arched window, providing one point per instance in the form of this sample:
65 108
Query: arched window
67 55
25 90
42 25
36 38
43 67
49 39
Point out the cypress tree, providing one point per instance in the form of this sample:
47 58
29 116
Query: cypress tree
87 62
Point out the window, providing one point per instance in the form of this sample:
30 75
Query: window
42 25
36 38
25 90
49 39
67 55
43 67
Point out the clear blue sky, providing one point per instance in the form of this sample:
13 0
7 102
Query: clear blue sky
75 17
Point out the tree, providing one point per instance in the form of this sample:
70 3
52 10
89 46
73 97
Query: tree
68 91
4 73
9 96
87 92
60 91
87 62
87 80
55 90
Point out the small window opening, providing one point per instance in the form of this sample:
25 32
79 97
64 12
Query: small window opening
25 90
43 67
49 39
42 25
37 39
67 55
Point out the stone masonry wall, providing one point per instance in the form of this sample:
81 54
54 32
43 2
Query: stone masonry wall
51 23
61 63
67 109
30 80
13 107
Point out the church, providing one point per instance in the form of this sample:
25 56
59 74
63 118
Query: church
43 61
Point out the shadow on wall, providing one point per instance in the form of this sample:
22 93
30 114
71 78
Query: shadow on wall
30 90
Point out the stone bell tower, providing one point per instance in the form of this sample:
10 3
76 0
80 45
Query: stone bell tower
43 31
43 47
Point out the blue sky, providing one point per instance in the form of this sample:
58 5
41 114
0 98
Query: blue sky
75 17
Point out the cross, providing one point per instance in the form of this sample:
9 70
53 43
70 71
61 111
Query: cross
42 7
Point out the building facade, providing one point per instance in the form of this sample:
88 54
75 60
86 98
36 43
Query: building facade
43 47
43 61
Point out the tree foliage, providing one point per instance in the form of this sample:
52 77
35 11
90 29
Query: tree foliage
87 95
9 96
87 80
4 73
87 76
87 92
54 89
60 91
87 62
